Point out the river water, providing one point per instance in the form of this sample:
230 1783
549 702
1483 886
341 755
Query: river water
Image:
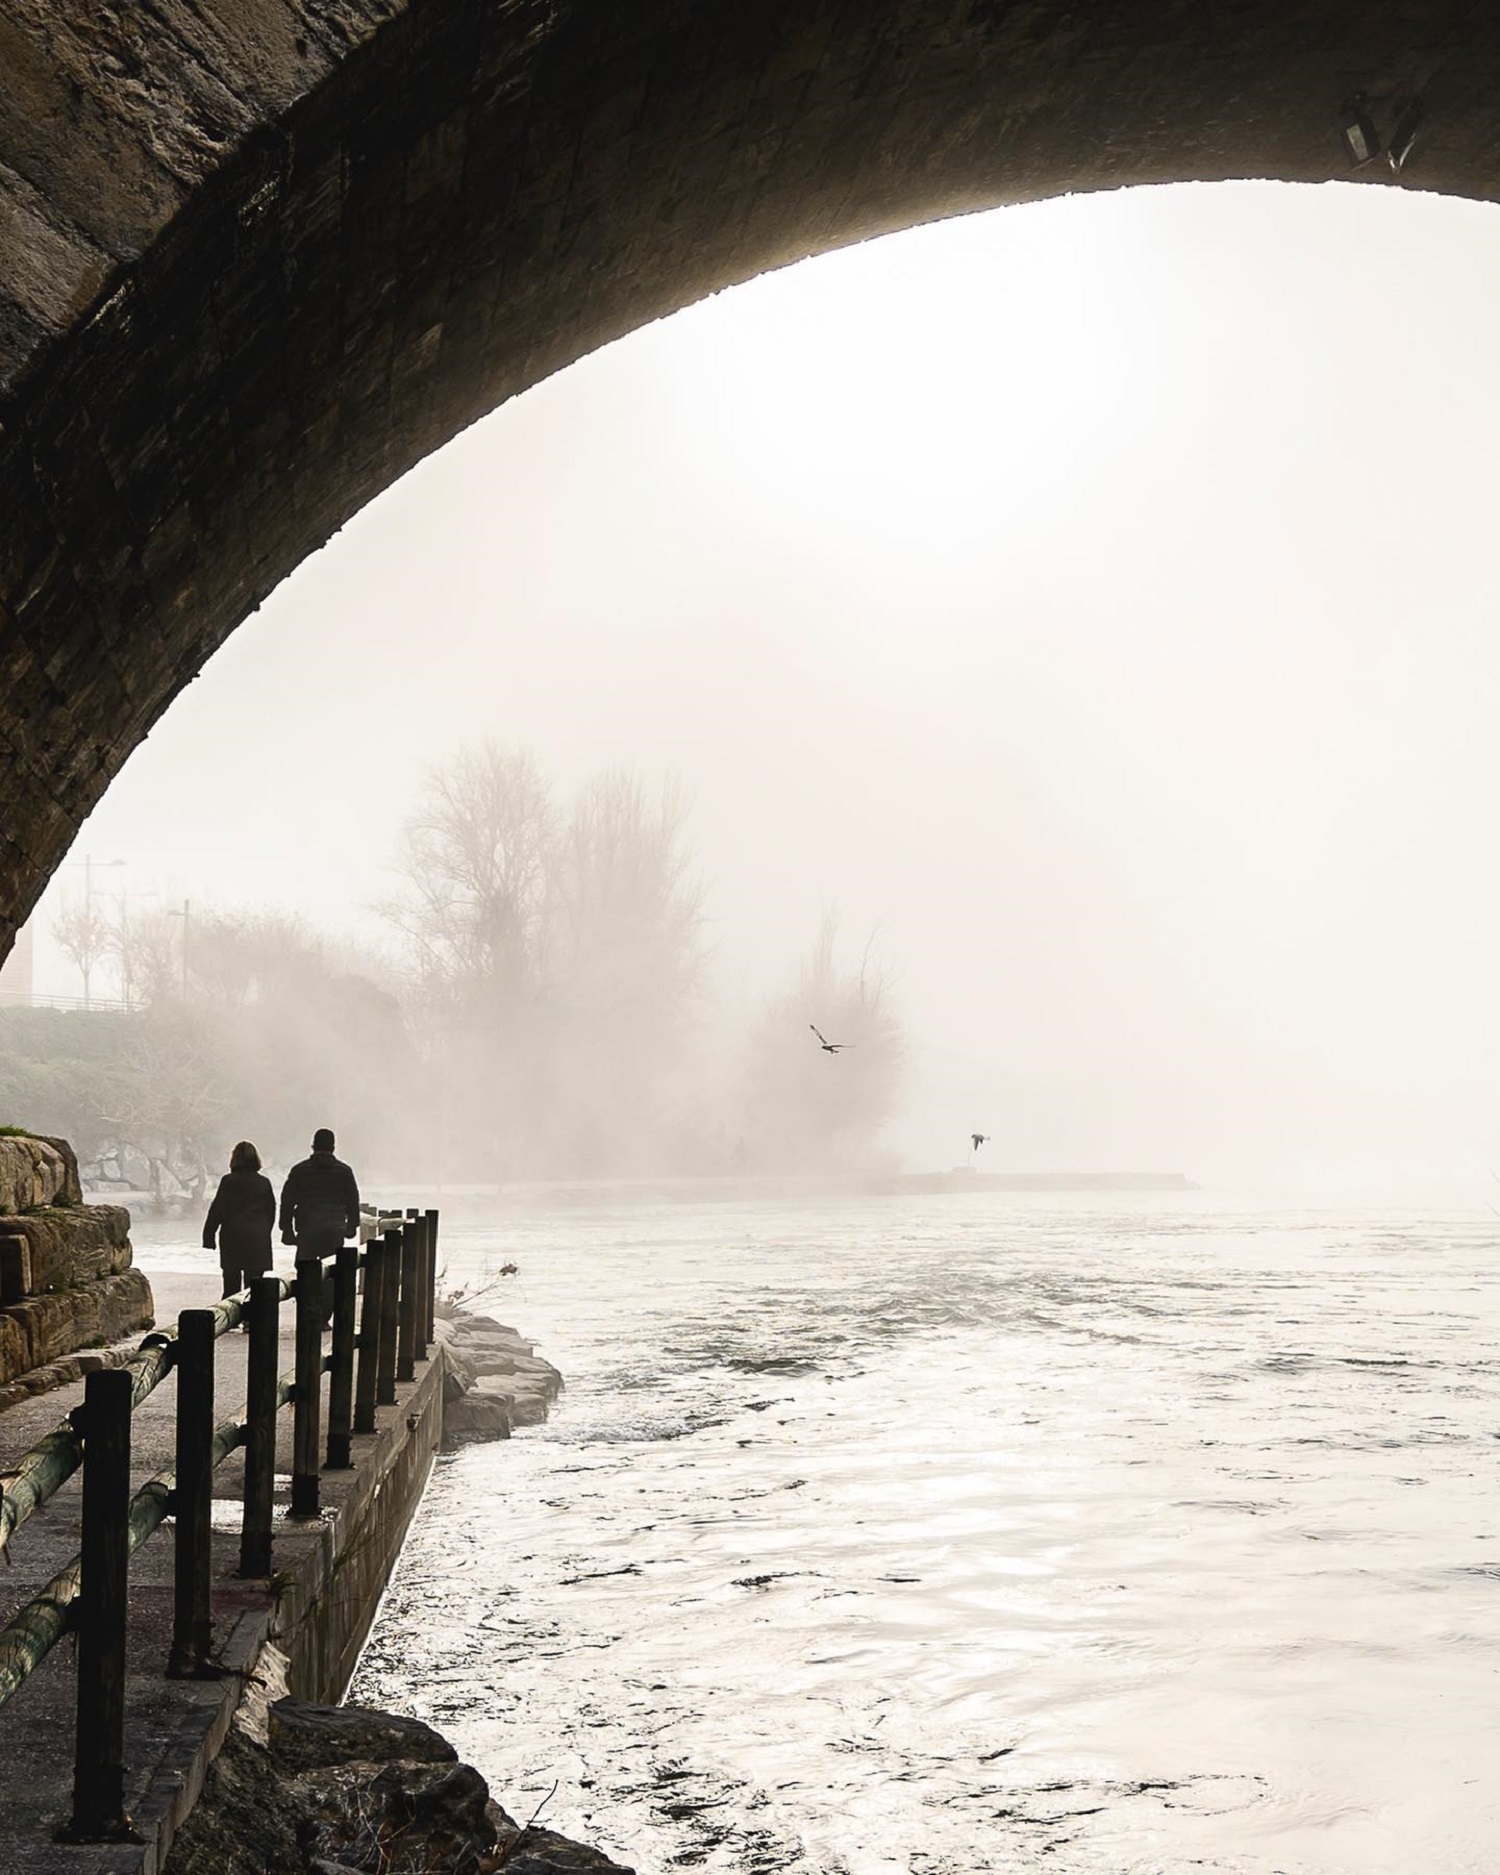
971 1532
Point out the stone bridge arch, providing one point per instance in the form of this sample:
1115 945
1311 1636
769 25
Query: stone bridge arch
258 257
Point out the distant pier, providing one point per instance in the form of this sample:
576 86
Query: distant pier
961 1179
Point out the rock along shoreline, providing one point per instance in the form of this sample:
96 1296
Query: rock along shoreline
302 1789
346 1790
496 1378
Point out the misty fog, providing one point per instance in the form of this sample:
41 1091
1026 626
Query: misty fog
1092 600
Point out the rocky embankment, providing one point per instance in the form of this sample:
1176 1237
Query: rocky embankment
498 1380
343 1790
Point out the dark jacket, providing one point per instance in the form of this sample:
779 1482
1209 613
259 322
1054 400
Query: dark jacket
241 1215
320 1200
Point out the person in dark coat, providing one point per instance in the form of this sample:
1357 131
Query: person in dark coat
319 1202
241 1218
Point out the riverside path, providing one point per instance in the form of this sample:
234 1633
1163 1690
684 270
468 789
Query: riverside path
298 1629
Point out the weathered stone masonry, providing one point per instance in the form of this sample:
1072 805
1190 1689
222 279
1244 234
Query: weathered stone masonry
66 1281
257 257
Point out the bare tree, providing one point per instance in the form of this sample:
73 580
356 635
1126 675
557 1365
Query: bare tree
628 966
303 1027
83 934
475 860
144 944
170 1097
556 956
632 910
244 958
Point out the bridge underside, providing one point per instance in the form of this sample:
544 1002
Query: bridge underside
258 257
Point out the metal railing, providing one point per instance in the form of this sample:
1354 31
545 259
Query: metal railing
89 1596
33 999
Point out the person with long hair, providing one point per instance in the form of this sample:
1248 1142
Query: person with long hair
242 1217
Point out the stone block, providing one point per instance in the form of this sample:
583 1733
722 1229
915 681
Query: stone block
65 1246
44 1328
56 1325
36 1171
526 1398
306 1737
520 1373
13 1353
475 1419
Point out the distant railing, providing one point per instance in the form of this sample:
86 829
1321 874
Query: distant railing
395 1306
32 999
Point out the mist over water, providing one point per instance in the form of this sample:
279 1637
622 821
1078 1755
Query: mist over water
955 1534
1096 597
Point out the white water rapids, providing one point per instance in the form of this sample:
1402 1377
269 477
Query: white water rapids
966 1533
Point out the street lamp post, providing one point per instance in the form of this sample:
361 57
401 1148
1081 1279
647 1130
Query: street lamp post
185 915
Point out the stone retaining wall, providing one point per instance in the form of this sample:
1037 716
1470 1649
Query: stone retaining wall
66 1280
329 1599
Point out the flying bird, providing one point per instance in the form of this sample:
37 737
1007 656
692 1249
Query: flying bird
979 1139
831 1048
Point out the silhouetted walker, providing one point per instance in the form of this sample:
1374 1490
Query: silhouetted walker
241 1218
320 1206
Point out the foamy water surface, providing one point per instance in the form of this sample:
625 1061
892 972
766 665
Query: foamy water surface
968 1533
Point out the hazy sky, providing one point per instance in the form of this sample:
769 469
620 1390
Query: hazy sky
1096 597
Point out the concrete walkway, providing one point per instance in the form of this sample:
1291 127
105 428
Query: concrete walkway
173 1727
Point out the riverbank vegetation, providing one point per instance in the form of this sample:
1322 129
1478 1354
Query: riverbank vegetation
538 1000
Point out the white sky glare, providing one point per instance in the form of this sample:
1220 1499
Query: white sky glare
1099 597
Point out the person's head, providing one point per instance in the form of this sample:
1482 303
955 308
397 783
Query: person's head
244 1158
323 1139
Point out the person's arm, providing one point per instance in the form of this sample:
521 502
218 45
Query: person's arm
215 1217
289 1207
268 1202
351 1218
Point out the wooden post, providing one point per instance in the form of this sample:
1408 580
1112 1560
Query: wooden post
369 1338
341 1374
414 1229
390 1302
411 1276
99 1760
432 1253
419 1317
192 1567
264 1314
307 1394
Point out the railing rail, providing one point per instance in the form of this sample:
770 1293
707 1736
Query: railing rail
43 1471
88 1595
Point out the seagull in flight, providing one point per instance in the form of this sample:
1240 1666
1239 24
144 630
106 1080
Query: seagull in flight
829 1048
979 1139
